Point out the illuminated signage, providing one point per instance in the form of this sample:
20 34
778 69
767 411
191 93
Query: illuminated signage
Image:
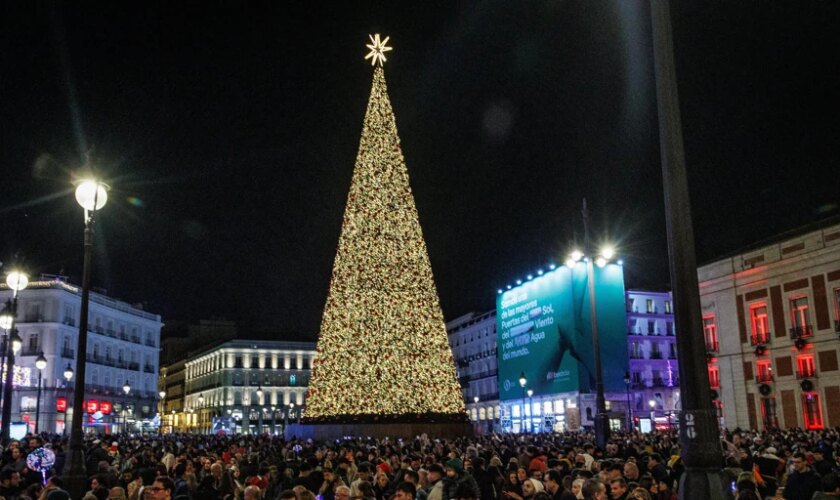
61 404
105 407
92 406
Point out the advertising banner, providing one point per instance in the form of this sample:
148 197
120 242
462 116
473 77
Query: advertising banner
544 332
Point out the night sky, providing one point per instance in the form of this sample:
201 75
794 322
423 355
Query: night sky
229 134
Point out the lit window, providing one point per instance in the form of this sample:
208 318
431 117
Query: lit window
800 318
714 377
710 333
837 309
668 306
650 307
764 372
758 317
768 413
805 366
811 411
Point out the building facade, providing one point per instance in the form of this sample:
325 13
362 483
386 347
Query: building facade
472 338
775 311
123 346
244 386
653 391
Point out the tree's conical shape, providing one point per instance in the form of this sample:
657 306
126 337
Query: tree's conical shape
383 352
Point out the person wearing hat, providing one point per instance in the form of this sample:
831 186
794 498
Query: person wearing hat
458 479
435 486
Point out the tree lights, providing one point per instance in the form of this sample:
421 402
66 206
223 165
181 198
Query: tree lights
383 352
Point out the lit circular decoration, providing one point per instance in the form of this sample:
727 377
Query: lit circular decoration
90 191
41 460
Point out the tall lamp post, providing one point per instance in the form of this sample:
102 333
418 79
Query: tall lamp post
162 411
68 374
40 364
260 402
699 433
126 390
92 196
627 381
200 412
602 423
522 383
17 281
530 410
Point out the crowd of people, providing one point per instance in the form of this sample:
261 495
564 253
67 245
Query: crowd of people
790 464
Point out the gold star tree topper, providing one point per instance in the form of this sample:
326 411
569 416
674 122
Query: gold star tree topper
378 48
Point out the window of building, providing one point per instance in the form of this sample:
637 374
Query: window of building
800 319
631 304
768 413
655 353
637 378
764 371
710 333
811 411
106 378
669 328
714 377
292 379
34 342
672 350
110 326
668 306
650 307
836 309
758 318
805 366
651 327
69 317
635 350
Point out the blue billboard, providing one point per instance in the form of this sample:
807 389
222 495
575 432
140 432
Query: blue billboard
545 332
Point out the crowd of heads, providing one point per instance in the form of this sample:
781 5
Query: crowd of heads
769 464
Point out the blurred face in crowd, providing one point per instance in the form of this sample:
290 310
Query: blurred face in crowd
617 489
799 464
157 492
521 474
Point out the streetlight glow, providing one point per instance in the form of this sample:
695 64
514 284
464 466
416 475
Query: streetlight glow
17 342
41 362
600 262
126 388
17 280
162 394
530 392
608 252
576 255
89 192
652 403
68 373
522 379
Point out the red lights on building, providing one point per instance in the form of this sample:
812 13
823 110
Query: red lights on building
105 407
92 406
61 404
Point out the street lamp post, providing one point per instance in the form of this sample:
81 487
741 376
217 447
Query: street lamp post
627 381
274 420
68 374
602 424
531 410
700 446
92 196
162 411
126 390
260 402
200 412
40 364
522 382
652 405
17 281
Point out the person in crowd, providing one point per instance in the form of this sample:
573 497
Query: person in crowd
803 482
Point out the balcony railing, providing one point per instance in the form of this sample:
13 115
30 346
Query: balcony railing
801 332
148 368
765 378
68 353
760 339
636 355
656 355
712 346
658 382
134 366
150 342
800 374
31 350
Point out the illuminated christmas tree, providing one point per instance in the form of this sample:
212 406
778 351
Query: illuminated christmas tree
383 353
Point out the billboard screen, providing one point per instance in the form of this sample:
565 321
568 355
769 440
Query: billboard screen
544 331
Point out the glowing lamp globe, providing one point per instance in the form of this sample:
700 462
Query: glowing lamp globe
89 192
600 262
126 388
68 372
17 281
162 394
608 252
5 321
41 362
576 255
17 342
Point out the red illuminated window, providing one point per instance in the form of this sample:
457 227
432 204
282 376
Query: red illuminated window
105 407
718 404
714 377
805 366
61 404
768 413
811 410
758 317
92 405
799 317
710 333
837 309
764 372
